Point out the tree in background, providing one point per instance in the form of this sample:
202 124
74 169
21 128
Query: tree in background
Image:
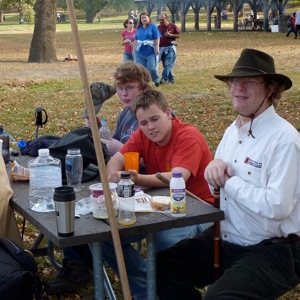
123 5
26 11
24 7
92 8
43 43
4 4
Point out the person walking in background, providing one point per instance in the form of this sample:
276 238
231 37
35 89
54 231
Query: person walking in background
297 24
146 45
135 18
291 25
128 38
167 47
257 168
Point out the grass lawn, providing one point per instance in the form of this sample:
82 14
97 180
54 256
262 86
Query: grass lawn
196 97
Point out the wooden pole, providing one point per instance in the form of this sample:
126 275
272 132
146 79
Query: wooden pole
99 153
217 237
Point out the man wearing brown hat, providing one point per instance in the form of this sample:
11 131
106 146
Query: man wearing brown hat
257 168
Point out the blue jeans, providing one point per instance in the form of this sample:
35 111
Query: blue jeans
136 264
167 58
150 63
128 56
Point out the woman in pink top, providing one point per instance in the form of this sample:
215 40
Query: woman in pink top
128 37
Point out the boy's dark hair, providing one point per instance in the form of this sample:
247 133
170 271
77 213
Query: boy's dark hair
147 98
130 71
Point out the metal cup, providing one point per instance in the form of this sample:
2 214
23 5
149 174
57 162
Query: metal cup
64 199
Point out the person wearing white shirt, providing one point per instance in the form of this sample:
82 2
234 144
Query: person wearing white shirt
257 168
297 24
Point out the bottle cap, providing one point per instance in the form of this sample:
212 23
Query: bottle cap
73 151
103 122
176 174
14 153
125 175
64 194
21 144
43 152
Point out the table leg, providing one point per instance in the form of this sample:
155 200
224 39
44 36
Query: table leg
151 267
98 270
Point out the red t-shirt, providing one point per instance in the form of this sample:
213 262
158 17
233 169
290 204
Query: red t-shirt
187 148
130 36
166 41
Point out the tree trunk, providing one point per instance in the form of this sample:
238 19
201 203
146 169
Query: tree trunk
90 12
43 44
196 8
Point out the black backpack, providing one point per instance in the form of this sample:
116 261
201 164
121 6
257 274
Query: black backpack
79 138
18 273
42 142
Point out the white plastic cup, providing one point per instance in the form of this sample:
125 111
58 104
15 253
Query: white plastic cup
99 209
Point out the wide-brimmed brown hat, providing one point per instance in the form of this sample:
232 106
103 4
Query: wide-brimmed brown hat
256 63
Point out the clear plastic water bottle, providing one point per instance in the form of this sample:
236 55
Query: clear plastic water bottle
5 145
177 195
104 130
44 177
74 168
126 191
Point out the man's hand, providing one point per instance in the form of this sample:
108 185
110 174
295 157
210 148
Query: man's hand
217 173
168 34
112 145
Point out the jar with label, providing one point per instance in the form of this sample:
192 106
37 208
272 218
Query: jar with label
126 191
74 168
177 195
44 177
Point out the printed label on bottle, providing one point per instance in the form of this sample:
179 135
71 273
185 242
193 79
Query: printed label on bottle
68 166
47 176
125 190
178 205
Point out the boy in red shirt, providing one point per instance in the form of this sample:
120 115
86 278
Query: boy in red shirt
166 144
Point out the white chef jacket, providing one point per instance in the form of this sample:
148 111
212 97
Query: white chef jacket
262 199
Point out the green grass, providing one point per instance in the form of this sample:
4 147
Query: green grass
196 97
